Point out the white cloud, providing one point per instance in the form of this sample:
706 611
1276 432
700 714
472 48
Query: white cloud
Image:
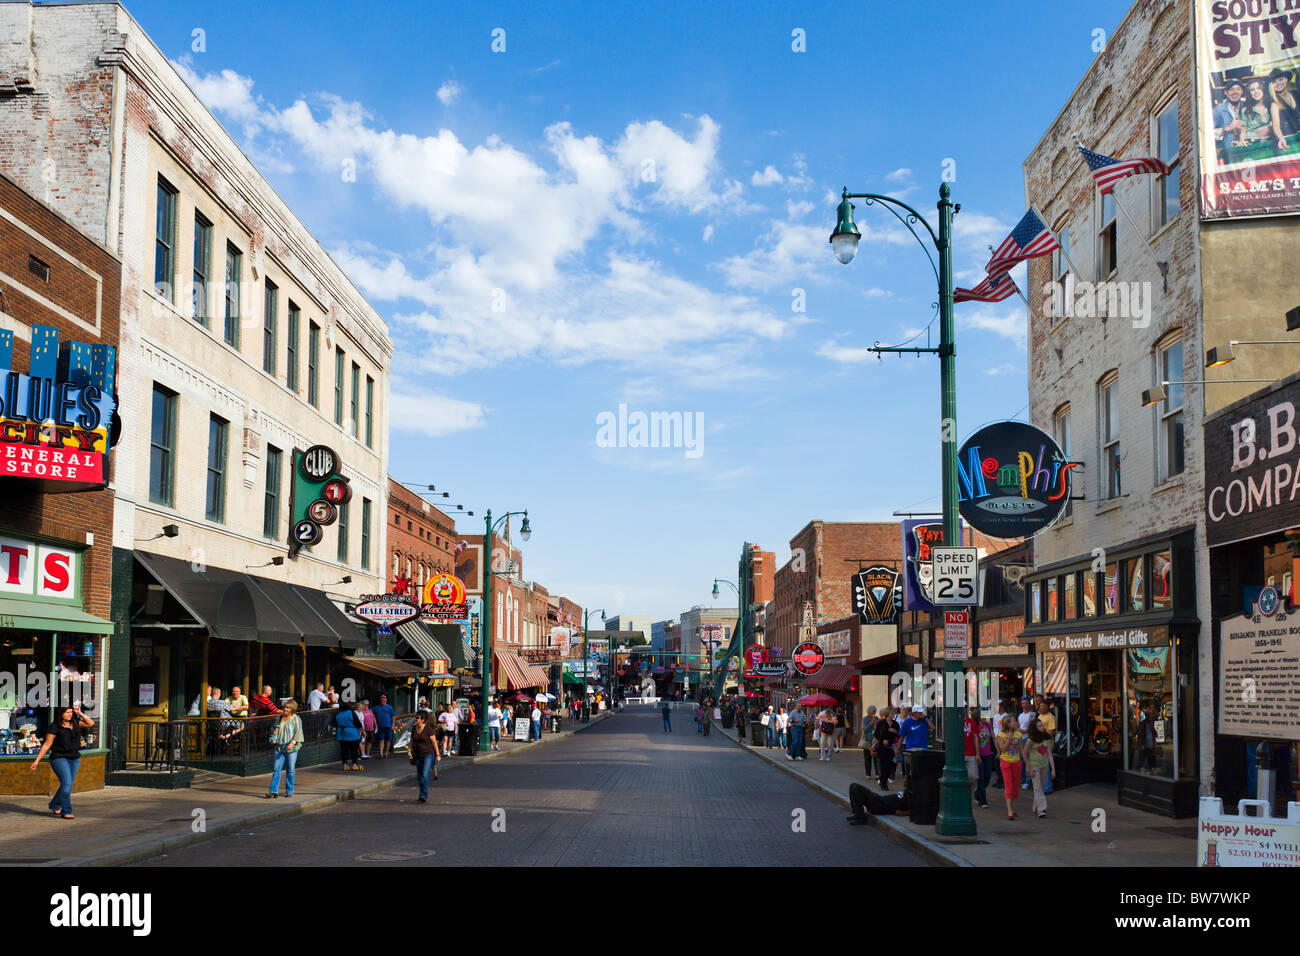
449 92
428 413
874 293
707 235
1009 325
846 355
1004 369
682 168
898 175
768 177
797 209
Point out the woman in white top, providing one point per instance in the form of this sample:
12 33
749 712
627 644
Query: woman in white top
494 725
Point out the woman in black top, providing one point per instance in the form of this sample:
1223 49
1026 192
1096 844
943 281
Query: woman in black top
424 753
885 740
63 744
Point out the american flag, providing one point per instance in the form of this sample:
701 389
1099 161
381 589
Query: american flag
992 289
1030 239
1108 171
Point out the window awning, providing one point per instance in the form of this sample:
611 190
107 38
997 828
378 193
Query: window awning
243 607
386 667
513 673
47 616
832 677
427 647
572 678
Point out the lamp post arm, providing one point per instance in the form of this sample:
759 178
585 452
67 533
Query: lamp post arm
912 218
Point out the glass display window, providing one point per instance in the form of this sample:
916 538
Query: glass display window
1050 610
1135 584
1069 597
1089 594
1092 711
1162 588
1150 710
1110 587
1035 602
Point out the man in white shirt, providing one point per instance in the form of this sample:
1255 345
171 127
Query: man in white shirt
782 722
317 698
536 717
494 725
450 721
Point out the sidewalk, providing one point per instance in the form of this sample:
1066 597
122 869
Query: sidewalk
1065 837
121 825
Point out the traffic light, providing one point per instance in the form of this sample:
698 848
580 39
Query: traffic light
317 493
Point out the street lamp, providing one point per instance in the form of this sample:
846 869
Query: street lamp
586 616
713 681
485 642
955 817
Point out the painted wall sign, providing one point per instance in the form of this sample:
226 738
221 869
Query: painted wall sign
808 658
39 570
1252 468
1259 676
877 594
444 599
56 422
1012 480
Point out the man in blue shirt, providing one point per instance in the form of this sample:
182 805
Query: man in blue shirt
383 725
913 732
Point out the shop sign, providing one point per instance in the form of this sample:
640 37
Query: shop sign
754 654
540 655
386 610
837 644
919 537
768 669
317 492
808 658
1252 468
443 599
39 570
1013 481
1259 676
1157 636
877 594
1238 44
1001 636
437 666
1246 838
56 422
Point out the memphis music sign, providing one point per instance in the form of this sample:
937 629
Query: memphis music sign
55 422
1013 480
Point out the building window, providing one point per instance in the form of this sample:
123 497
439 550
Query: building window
338 387
234 275
354 420
291 349
343 532
216 497
1167 149
202 268
1135 583
1107 238
1110 584
1169 362
164 261
162 447
370 412
365 534
269 320
1061 432
1110 451
38 268
271 503
313 364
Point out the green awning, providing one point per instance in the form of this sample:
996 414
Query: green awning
572 678
45 616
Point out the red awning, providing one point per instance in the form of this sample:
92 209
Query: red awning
513 673
833 677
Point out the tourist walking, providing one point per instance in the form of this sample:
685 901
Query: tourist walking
1026 715
841 728
1041 761
424 753
886 747
1010 743
987 753
667 711
368 728
349 735
1049 725
706 717
494 726
826 724
768 720
536 718
699 718
286 740
782 728
797 727
383 714
867 738
63 744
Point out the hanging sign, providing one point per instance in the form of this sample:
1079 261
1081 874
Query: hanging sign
386 610
877 595
808 658
755 654
317 493
1013 480
444 599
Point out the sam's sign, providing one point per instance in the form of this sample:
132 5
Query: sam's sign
56 422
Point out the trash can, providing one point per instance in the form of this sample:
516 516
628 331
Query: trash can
468 740
757 733
924 767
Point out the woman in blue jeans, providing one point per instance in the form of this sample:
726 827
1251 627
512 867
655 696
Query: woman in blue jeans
424 754
287 740
63 744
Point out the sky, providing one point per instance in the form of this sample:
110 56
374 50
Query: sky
565 208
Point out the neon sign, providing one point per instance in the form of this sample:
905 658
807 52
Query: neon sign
1013 481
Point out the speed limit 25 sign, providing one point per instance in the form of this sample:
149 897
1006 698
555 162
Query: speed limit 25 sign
955 575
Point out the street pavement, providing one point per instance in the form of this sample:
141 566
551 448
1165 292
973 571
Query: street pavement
621 793
1084 826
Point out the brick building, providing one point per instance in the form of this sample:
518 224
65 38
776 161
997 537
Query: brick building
421 537
59 305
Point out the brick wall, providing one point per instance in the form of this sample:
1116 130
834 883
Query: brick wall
421 538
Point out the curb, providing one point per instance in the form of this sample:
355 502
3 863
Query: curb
927 848
157 846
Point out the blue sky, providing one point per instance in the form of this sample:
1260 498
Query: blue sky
622 207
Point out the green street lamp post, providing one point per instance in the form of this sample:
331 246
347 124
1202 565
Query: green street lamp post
740 597
955 817
485 641
586 708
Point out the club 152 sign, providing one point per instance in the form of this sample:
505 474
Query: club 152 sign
1012 480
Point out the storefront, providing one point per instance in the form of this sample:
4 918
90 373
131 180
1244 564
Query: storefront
1116 636
52 654
1253 532
1002 667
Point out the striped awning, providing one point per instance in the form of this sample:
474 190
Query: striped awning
832 677
514 673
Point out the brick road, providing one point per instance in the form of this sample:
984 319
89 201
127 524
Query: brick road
621 794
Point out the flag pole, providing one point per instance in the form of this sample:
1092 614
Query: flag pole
1162 266
1060 248
1028 308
